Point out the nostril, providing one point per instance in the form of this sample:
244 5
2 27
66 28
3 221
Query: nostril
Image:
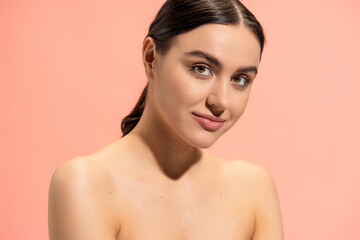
219 98
218 103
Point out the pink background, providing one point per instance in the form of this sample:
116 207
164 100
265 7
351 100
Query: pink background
71 70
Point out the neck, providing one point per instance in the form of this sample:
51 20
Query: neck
164 148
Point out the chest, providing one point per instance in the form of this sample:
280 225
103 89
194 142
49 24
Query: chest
147 211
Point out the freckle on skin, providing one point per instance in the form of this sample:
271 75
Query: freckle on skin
161 196
109 192
220 194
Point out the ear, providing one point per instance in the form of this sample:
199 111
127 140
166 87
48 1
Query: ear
149 57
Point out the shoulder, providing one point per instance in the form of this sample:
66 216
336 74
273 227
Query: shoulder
79 171
257 178
264 197
249 170
80 200
82 178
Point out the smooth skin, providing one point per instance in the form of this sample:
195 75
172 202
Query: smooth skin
158 182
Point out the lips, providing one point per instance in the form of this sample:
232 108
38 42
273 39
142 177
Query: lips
210 117
208 122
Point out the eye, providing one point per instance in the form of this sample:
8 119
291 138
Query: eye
201 69
242 80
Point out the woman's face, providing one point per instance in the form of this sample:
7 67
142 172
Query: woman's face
208 70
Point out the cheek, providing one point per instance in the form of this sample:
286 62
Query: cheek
239 102
178 89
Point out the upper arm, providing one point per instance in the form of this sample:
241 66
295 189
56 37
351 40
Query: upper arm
268 220
78 206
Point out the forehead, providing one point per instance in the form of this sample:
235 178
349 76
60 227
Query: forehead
231 44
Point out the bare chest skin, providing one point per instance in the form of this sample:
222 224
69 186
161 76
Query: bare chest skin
153 212
214 203
146 207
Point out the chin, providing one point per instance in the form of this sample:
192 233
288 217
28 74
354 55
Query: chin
203 140
205 146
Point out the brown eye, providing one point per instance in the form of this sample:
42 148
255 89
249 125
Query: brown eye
237 79
241 80
201 69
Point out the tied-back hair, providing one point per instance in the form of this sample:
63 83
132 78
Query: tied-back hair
180 16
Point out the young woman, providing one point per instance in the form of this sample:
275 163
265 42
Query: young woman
157 181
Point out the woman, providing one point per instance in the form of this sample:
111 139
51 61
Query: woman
157 181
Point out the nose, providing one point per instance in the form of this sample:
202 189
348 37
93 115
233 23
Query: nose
219 96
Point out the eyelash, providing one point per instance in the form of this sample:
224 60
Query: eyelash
192 69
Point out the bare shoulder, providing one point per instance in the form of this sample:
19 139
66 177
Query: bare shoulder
264 195
82 168
249 170
80 201
81 174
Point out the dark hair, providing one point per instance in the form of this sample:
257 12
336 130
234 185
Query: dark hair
180 16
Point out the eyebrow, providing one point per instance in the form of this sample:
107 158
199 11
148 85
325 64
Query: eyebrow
216 62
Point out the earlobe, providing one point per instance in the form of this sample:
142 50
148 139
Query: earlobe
149 56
